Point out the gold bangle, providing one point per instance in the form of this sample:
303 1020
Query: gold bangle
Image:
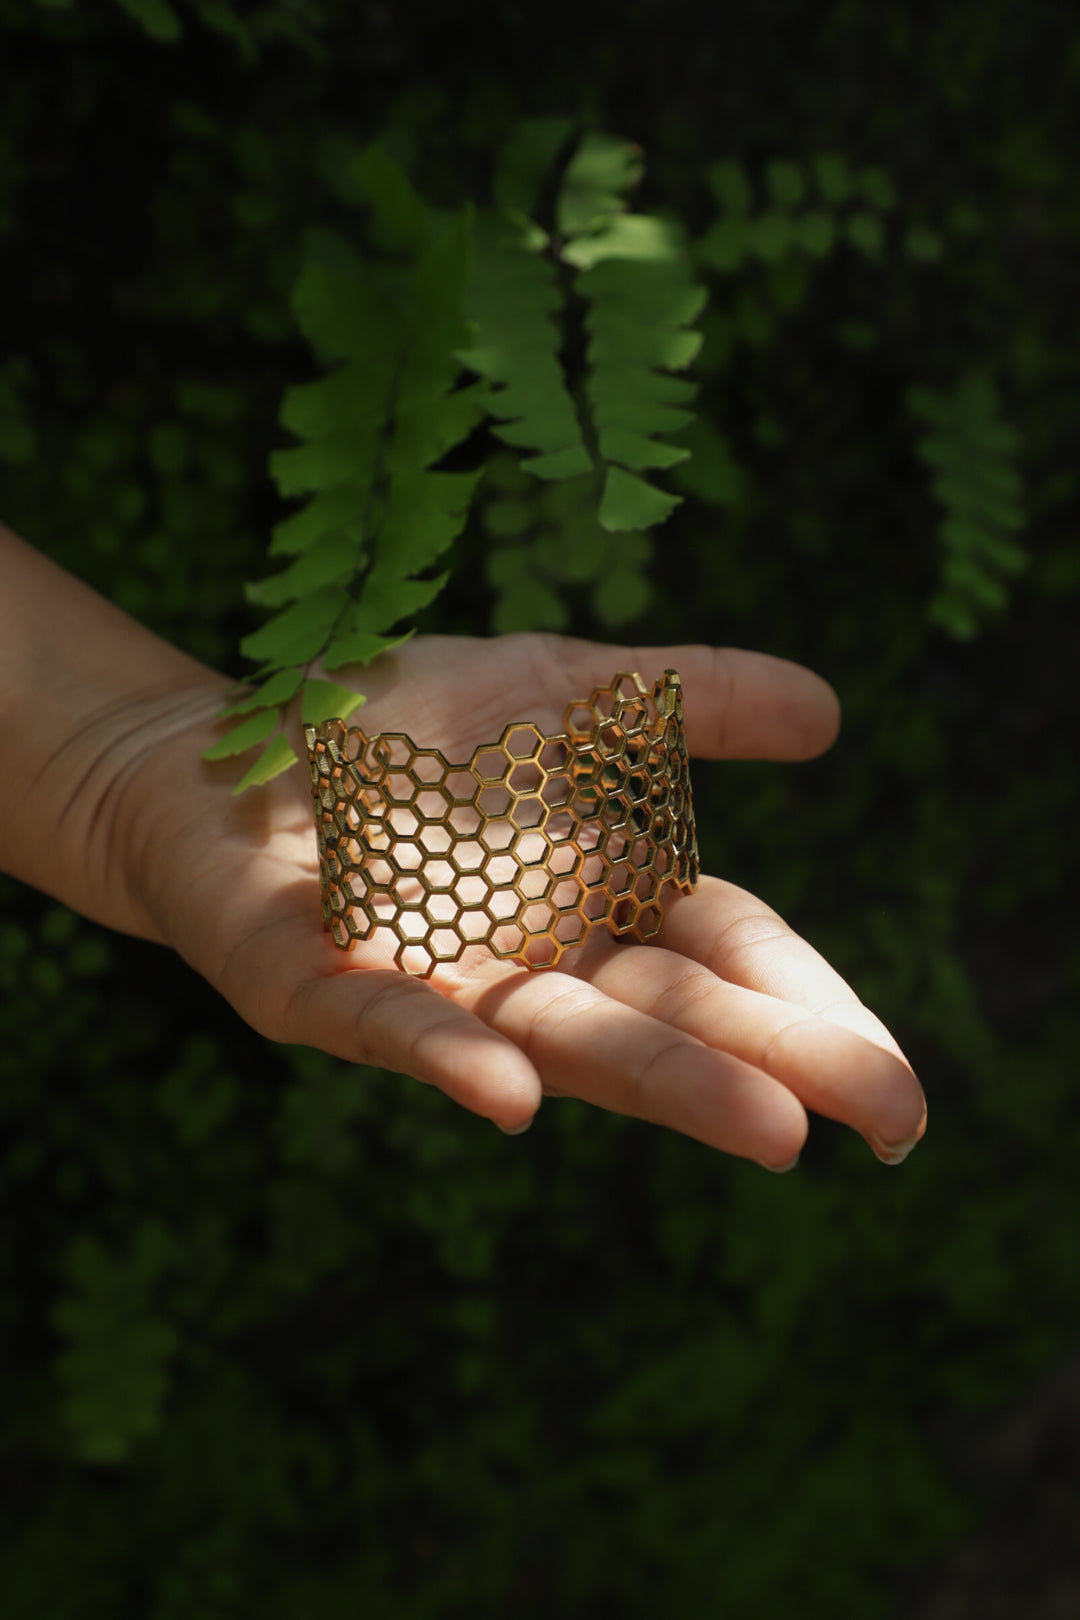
525 848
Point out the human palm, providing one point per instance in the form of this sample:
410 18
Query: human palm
727 1027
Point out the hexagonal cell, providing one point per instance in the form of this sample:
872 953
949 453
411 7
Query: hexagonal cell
627 687
615 812
332 863
528 813
633 715
501 870
393 750
526 777
597 904
613 776
474 926
637 752
642 853
414 960
542 952
468 855
497 836
639 785
358 925
611 741
355 888
671 732
567 893
405 857
624 915
662 863
347 819
501 905
490 765
531 848
649 921
338 902
534 883
570 929
580 720
537 918
461 785
403 823
523 741
339 934
647 886
399 788
564 860
376 840
555 754
494 801
412 925
464 820
441 908
427 766
557 791
660 829
431 804
383 907
621 880
445 946
562 825
603 701
379 872
471 889
436 839
439 875
507 941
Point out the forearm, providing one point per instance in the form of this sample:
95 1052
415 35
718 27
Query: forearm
85 691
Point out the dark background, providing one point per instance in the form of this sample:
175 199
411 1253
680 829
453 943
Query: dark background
288 1338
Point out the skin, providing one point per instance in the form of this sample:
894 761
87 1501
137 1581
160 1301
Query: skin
728 1027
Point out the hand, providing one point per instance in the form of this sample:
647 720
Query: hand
728 1027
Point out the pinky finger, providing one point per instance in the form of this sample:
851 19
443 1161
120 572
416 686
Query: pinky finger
392 1021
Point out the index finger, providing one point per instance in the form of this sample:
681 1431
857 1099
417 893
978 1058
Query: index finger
738 704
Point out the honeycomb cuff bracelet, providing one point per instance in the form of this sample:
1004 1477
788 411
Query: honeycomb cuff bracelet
525 848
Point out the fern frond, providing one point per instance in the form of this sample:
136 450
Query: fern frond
373 426
972 455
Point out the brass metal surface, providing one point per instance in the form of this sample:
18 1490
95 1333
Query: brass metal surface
523 849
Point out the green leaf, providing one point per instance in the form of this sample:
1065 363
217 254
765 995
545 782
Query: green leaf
270 695
156 17
630 503
876 185
596 182
833 177
771 236
359 646
336 557
570 462
299 633
864 232
922 245
277 757
244 736
634 450
730 185
337 508
325 700
725 245
785 183
627 236
401 221
526 160
815 232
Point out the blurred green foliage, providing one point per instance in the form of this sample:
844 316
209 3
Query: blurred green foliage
284 1336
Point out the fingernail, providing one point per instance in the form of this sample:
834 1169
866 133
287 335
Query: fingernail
780 1169
891 1152
515 1130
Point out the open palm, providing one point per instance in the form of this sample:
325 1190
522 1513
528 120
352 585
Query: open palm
728 1027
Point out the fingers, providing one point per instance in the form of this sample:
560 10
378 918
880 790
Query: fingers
586 1045
768 995
739 705
385 1018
